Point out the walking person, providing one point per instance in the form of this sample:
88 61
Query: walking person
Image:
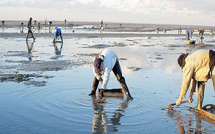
30 29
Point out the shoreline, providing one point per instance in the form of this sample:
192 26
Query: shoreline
17 23
94 35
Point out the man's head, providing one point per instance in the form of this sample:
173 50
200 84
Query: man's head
181 60
98 65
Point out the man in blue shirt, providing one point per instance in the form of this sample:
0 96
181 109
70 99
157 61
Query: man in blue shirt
57 34
189 33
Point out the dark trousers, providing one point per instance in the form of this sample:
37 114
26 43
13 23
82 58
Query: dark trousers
30 31
118 73
201 89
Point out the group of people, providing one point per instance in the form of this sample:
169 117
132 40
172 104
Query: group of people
58 32
189 33
197 69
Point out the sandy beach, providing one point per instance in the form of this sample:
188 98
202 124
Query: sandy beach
44 88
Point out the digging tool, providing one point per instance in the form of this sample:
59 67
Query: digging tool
211 106
171 105
116 92
208 114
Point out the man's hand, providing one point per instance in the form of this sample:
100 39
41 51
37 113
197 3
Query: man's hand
178 102
101 80
190 100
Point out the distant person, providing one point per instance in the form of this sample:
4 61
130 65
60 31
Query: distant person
50 25
157 30
65 22
211 32
201 32
189 33
197 69
2 22
35 22
30 29
39 26
57 34
103 64
102 25
21 27
179 30
45 21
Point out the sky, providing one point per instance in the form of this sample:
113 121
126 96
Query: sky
184 12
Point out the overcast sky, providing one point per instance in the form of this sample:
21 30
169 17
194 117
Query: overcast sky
187 12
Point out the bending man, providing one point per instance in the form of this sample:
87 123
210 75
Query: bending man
197 69
58 34
189 33
103 64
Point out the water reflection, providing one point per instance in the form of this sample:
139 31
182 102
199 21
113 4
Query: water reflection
58 49
30 45
101 123
192 123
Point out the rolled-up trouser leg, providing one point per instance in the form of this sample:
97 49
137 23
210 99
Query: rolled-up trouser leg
213 79
188 36
201 88
94 87
118 73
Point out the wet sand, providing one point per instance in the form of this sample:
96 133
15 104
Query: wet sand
45 88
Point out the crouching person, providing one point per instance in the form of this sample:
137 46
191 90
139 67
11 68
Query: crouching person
57 35
197 69
103 64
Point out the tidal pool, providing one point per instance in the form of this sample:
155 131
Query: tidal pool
62 104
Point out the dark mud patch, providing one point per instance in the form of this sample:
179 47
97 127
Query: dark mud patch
102 46
18 54
35 83
174 45
120 44
98 46
26 78
147 45
203 45
123 59
46 65
91 54
159 58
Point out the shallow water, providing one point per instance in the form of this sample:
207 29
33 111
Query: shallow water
62 104
95 29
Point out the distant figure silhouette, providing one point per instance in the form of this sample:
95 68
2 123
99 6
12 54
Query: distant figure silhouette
30 29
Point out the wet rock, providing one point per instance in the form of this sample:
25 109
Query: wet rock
99 46
35 83
122 59
23 78
159 58
134 68
91 54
